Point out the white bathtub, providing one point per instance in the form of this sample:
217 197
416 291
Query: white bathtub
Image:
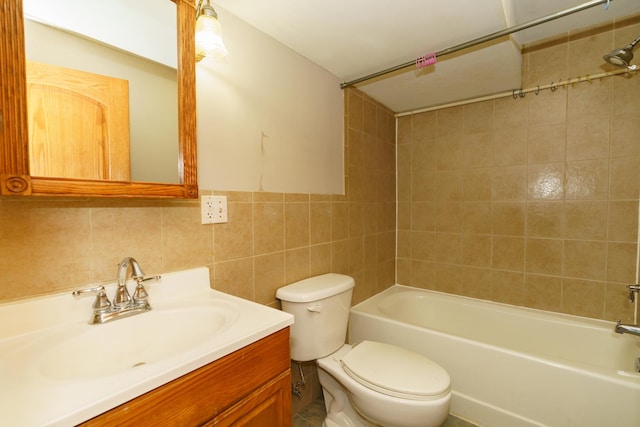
512 366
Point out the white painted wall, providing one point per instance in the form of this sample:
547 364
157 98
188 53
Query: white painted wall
146 28
268 118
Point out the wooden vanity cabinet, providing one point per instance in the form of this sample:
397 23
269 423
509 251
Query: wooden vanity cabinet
249 387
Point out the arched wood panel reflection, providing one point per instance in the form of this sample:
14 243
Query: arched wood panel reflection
78 123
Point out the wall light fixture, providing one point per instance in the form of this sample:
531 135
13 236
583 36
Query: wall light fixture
208 33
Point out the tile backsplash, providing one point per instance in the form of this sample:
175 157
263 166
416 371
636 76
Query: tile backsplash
271 239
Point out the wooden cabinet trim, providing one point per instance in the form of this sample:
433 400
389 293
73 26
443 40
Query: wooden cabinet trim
15 177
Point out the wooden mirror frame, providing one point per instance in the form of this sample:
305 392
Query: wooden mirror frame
15 179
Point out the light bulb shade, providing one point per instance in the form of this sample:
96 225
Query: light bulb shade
209 36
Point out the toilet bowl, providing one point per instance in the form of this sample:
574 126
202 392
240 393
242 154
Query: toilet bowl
403 389
371 383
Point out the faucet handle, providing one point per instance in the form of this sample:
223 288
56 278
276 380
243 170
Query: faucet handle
140 279
140 295
633 289
93 290
101 303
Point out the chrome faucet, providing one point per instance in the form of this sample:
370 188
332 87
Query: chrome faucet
627 329
123 304
633 290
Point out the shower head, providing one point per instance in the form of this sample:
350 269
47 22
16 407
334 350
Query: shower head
621 57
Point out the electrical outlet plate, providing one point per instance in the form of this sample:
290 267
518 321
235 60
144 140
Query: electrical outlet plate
213 209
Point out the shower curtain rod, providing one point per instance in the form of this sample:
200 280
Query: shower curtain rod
520 93
480 40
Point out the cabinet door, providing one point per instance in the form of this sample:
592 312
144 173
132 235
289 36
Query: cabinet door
267 406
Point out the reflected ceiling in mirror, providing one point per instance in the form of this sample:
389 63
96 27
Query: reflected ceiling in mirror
125 40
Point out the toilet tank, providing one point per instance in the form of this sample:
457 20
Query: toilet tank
320 306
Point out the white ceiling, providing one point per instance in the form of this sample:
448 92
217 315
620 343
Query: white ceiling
354 38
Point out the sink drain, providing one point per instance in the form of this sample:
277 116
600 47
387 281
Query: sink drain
138 364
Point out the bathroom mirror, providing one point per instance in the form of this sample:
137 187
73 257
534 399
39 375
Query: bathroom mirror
172 176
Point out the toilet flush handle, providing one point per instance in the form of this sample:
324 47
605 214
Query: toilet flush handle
315 308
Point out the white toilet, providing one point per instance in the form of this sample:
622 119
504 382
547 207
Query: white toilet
372 383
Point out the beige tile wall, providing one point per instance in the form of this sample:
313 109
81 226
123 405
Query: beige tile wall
532 201
271 239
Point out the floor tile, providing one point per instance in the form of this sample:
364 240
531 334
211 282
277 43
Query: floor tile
313 416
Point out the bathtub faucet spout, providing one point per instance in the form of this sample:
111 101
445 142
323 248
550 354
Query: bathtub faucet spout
627 329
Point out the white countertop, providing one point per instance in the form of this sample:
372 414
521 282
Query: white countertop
31 397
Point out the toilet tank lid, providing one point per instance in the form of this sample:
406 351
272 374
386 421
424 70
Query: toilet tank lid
315 288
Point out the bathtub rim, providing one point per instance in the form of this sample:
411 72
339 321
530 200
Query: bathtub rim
620 376
571 318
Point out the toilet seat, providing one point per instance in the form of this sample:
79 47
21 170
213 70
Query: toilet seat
396 371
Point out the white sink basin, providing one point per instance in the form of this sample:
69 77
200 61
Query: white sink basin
58 370
114 347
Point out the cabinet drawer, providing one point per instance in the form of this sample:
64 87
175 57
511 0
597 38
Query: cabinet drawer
270 405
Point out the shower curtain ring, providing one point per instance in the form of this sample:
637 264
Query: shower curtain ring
537 90
553 87
521 94
515 96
